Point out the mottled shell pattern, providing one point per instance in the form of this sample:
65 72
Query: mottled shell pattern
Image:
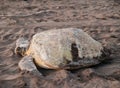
50 49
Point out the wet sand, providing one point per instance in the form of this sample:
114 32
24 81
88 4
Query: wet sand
99 18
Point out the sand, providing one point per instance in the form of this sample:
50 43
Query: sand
99 18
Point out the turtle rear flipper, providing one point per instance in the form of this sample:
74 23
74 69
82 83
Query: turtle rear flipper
27 64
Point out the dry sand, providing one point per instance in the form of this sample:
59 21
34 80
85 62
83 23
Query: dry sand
99 18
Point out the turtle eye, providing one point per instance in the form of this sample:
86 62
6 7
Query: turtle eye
18 49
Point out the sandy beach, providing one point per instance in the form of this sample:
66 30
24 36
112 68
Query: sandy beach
99 18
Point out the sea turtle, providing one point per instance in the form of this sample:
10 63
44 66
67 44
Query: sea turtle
67 48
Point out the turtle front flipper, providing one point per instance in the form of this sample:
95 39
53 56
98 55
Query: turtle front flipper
27 64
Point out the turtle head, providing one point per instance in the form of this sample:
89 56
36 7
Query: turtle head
22 45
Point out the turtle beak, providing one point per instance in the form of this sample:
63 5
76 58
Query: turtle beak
20 51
